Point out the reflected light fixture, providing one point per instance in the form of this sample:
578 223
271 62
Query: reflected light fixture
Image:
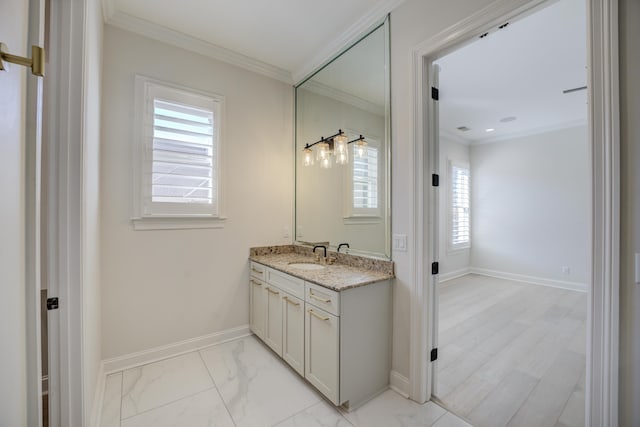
337 146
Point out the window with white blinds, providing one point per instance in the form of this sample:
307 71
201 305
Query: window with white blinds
460 215
179 157
365 182
183 154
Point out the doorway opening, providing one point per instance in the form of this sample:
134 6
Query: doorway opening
514 221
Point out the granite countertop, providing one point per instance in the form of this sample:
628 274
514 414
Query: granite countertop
348 272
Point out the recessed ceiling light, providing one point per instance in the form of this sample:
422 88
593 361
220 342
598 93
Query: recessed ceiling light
489 130
508 119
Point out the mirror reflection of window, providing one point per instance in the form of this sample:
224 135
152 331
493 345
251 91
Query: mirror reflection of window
365 181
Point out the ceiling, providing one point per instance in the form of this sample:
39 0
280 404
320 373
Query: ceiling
292 36
518 71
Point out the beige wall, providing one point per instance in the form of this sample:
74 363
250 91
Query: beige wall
91 208
629 392
164 286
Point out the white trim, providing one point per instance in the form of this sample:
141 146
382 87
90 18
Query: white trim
131 360
399 383
561 284
455 138
603 313
453 275
176 223
375 14
530 132
175 38
98 397
361 220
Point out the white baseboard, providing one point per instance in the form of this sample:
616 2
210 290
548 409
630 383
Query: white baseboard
573 286
139 358
98 397
454 274
399 383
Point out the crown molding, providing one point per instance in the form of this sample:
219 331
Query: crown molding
373 16
444 133
175 38
531 132
344 97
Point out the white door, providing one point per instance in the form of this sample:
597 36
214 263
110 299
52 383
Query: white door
293 332
322 337
273 328
20 106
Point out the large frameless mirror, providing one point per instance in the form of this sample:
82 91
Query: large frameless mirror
343 150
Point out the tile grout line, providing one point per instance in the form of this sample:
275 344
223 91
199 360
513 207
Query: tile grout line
169 403
121 394
215 386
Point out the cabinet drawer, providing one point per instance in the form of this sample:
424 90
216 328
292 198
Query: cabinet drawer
257 270
287 283
323 298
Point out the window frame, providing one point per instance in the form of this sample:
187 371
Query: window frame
149 215
456 247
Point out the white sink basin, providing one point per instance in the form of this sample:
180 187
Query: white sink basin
306 266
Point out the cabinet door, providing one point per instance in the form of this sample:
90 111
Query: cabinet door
293 332
321 352
273 328
258 307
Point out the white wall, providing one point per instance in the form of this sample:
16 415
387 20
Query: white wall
530 204
91 209
629 391
452 263
322 193
164 286
412 22
13 354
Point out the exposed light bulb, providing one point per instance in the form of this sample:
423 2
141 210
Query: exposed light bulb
340 143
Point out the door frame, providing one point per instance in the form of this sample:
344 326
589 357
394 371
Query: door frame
603 300
63 260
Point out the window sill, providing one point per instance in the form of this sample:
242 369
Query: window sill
361 219
177 223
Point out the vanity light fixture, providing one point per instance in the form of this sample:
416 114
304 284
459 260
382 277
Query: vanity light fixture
336 146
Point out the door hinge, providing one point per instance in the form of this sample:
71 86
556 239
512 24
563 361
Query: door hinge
434 354
435 180
434 268
435 93
52 303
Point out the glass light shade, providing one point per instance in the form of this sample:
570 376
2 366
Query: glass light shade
307 157
326 163
340 144
323 151
342 157
361 149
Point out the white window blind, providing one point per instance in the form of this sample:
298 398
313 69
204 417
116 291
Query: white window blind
177 157
184 154
460 204
365 181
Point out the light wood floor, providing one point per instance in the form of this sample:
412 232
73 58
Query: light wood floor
511 353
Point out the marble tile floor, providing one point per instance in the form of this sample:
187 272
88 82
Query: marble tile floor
241 383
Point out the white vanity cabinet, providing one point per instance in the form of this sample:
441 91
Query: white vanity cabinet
339 341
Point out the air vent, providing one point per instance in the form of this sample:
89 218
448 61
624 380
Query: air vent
463 128
508 119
